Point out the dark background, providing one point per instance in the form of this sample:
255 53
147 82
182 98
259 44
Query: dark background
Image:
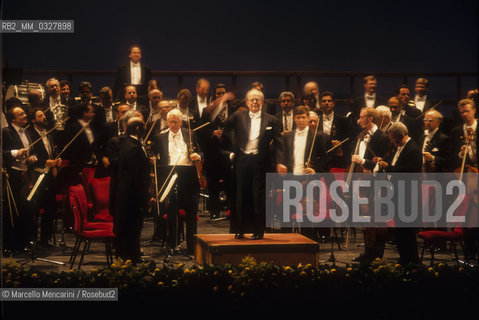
359 36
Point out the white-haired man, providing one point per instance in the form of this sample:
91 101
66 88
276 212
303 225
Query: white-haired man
257 137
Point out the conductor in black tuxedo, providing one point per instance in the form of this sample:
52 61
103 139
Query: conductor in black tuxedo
132 73
406 159
179 147
254 130
132 192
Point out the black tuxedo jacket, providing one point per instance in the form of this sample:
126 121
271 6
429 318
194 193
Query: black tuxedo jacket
280 117
439 146
238 127
133 179
11 141
195 112
319 158
457 141
378 146
123 78
414 126
360 102
39 148
410 159
211 145
80 150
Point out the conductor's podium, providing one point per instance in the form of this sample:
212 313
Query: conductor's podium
278 248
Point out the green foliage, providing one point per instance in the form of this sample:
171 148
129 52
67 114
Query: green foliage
250 280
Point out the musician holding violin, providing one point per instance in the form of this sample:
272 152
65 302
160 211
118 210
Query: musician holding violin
370 144
305 152
178 148
17 158
465 139
43 147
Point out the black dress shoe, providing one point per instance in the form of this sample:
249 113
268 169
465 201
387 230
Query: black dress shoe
239 236
362 258
257 236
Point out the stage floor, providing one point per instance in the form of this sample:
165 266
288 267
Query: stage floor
153 250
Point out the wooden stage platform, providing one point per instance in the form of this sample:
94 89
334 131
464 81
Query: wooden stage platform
279 248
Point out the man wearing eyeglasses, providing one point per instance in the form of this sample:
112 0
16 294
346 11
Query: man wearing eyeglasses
435 144
257 137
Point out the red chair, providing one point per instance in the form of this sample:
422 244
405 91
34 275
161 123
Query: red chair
433 239
100 188
77 205
87 174
77 196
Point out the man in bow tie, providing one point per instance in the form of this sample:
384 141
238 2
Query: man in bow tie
17 156
435 144
422 100
256 137
368 99
134 73
286 100
337 128
46 155
178 147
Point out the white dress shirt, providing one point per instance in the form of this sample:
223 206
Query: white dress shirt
328 123
135 73
22 165
202 103
473 150
88 132
253 139
177 149
43 134
370 99
420 102
300 138
287 120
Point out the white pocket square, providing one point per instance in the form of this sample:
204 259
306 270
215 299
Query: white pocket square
269 128
435 150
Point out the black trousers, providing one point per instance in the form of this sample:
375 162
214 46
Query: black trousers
18 230
183 196
45 198
250 215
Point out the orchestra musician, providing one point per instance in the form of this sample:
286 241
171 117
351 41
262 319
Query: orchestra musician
465 140
337 127
18 218
132 192
253 131
46 160
407 158
215 165
434 143
178 148
304 152
132 73
371 143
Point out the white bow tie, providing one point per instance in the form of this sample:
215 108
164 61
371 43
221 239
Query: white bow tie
254 115
301 132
